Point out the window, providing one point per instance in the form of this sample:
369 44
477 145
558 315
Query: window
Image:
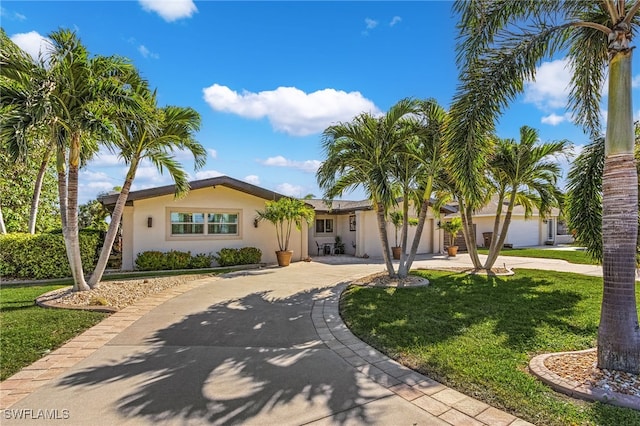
352 222
202 223
324 226
222 224
187 223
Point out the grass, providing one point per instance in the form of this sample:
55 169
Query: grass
571 256
29 332
477 334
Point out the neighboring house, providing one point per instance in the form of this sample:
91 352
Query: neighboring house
355 222
532 231
217 213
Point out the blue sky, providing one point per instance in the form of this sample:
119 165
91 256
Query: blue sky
268 77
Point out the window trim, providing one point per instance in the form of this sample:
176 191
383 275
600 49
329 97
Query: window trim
324 233
169 236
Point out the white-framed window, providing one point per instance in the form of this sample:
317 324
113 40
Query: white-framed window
324 226
203 223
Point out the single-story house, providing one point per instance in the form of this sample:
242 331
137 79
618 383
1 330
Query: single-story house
217 213
220 212
356 223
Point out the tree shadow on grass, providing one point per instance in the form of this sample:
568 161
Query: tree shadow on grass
239 359
517 308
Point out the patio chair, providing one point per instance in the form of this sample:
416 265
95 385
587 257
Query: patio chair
319 248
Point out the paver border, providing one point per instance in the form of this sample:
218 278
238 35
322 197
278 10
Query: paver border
446 404
575 389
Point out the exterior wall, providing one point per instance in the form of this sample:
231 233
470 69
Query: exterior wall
221 198
521 233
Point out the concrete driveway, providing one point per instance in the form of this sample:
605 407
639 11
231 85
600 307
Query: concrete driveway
255 347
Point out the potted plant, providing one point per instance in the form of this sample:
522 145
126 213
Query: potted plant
285 213
397 220
452 228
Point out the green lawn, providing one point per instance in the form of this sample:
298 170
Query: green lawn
29 331
571 256
477 335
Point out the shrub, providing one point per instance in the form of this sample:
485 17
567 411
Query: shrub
227 257
200 261
151 261
43 256
177 259
158 261
243 256
249 255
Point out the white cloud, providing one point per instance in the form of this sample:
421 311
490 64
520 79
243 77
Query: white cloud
170 10
395 20
146 53
635 83
555 119
105 158
371 23
213 153
253 179
206 174
289 189
32 43
290 110
12 16
309 166
550 90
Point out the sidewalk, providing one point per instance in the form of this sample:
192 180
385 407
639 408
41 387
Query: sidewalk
254 347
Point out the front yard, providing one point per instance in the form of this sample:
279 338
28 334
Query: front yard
477 334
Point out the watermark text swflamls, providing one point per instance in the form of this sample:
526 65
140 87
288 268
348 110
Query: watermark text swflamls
39 414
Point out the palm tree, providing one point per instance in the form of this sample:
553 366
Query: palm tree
361 153
88 93
22 132
418 163
499 46
152 136
524 174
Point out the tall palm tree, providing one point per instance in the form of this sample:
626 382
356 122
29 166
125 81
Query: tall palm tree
361 153
152 136
524 174
88 93
419 162
22 131
499 46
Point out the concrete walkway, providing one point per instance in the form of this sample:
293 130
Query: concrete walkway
255 347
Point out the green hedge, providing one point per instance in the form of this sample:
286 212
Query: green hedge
159 261
43 256
243 256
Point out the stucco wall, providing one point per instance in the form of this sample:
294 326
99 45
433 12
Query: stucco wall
521 233
219 198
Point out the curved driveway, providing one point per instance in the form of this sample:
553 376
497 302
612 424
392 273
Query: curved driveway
261 347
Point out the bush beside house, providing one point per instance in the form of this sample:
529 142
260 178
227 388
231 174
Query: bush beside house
43 256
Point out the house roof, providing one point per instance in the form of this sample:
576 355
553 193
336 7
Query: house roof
109 200
342 206
491 208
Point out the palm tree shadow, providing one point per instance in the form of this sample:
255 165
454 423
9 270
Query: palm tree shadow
238 359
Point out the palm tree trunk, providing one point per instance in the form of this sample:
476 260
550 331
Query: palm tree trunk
112 232
618 333
499 235
72 238
422 217
466 213
3 229
382 230
35 201
403 270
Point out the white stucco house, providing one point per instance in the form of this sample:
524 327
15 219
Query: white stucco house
220 213
523 232
217 213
